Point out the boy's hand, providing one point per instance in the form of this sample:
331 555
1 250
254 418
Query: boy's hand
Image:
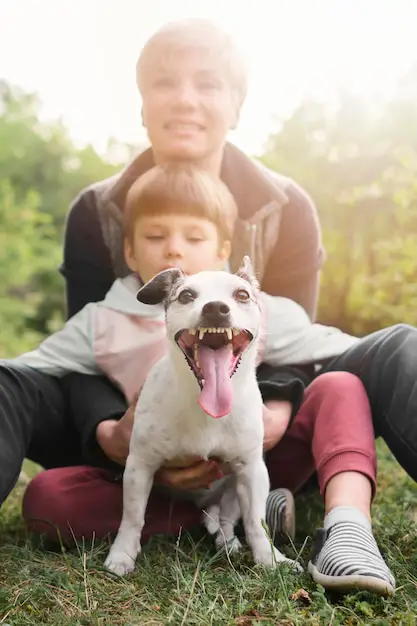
191 473
276 414
113 436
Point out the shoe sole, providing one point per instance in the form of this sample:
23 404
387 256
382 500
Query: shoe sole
346 583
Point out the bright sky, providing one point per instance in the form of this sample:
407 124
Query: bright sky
80 55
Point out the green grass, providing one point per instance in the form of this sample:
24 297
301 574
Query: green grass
181 581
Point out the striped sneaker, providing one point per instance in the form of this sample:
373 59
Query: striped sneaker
280 515
346 557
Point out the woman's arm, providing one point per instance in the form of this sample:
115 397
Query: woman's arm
87 266
293 270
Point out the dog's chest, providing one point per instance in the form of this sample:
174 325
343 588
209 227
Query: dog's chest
170 423
195 433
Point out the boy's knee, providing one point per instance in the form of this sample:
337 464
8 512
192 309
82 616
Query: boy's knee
337 383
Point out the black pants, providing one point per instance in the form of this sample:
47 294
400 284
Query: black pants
34 424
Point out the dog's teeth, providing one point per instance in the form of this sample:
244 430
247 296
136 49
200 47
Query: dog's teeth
229 334
196 355
192 331
201 333
236 331
230 347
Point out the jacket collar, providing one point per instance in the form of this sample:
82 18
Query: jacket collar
251 187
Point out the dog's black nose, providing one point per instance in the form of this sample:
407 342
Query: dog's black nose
215 314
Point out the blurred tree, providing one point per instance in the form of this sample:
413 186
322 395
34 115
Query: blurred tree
37 155
358 160
27 247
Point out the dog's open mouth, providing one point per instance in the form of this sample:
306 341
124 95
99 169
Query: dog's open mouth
197 343
213 355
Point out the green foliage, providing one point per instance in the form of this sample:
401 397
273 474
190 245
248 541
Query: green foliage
358 160
41 174
26 249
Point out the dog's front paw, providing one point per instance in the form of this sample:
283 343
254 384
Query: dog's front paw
232 546
293 564
211 519
271 557
119 563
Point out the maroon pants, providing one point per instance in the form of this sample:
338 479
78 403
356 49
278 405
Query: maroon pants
332 433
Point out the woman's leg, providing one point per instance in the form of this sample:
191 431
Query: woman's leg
333 433
33 424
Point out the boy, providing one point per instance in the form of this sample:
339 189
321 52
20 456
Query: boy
175 215
179 216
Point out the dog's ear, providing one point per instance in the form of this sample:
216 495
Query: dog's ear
160 286
246 272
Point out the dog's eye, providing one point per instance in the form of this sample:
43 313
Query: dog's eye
241 295
186 296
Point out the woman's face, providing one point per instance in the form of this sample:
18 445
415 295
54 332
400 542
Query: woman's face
188 106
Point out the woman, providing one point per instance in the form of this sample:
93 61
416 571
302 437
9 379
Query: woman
193 83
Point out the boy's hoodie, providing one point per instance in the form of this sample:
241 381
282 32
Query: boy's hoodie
124 338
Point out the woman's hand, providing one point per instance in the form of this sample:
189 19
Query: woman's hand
276 414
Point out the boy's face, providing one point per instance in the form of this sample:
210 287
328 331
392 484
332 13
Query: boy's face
174 240
188 106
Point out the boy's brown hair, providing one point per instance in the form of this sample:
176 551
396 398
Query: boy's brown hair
184 189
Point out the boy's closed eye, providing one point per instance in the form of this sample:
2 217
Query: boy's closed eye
154 237
195 235
195 239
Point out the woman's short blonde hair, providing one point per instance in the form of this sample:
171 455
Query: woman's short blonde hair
181 188
201 34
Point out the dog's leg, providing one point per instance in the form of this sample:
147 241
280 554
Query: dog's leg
252 486
220 520
211 518
228 518
137 484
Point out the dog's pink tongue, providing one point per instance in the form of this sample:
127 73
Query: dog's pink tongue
217 395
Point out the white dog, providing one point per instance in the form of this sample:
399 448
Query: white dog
213 322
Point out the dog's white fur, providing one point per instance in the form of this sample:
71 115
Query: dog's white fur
170 423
